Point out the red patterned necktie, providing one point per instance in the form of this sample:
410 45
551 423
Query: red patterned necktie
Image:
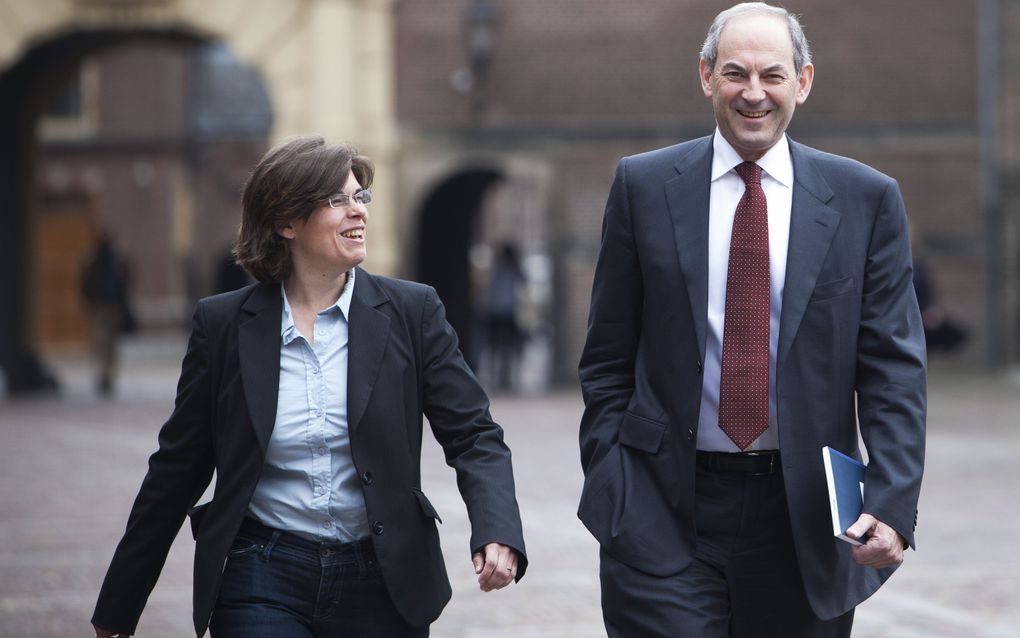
744 388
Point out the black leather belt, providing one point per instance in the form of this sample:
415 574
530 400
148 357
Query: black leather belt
754 463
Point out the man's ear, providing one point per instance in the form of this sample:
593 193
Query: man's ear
807 76
705 73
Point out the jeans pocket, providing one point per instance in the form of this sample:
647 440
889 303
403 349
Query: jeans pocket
243 546
372 571
250 550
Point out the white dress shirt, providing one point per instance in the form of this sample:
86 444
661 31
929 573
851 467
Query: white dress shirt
727 189
309 484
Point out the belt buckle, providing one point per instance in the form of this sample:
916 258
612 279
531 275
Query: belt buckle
772 461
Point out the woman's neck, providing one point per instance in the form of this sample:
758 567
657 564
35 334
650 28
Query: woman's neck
314 292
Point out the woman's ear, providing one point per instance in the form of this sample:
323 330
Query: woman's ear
286 231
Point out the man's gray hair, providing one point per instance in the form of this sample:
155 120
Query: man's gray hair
801 48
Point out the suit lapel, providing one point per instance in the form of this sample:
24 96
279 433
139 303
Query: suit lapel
812 226
259 354
369 333
687 197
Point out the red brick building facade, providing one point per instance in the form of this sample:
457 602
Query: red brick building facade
576 84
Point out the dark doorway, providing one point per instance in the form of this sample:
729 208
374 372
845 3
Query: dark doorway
184 156
24 90
446 232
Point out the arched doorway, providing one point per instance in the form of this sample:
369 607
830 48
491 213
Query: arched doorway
447 229
307 70
483 243
153 152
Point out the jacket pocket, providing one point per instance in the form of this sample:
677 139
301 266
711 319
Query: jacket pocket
640 433
831 289
196 514
425 505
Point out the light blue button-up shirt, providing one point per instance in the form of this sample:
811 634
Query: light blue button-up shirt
309 485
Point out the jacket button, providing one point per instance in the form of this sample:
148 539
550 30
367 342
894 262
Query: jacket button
701 367
366 478
377 528
690 434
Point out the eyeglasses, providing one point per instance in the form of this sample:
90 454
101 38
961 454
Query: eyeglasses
343 200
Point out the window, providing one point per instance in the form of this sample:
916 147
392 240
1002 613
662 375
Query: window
70 111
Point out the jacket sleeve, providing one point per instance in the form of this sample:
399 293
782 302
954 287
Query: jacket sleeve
179 471
458 412
607 363
891 373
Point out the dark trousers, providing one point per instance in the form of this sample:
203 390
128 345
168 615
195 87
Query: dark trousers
505 342
278 585
744 581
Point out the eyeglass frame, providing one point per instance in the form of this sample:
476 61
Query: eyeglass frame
343 200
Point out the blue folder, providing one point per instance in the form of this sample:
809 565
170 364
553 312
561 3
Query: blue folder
845 478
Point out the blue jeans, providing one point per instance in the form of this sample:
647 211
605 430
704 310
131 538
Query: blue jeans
278 585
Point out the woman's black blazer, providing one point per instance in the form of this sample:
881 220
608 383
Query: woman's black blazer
403 363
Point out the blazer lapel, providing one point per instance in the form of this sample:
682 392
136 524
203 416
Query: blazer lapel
687 197
259 354
812 226
369 331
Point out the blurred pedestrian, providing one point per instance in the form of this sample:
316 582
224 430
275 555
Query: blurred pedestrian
506 338
229 274
941 332
752 303
304 394
105 281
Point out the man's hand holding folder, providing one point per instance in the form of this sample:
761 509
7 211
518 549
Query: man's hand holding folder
884 545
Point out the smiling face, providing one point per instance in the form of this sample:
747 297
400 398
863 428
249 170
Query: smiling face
753 86
330 241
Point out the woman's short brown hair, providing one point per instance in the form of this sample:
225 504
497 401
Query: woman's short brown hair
289 183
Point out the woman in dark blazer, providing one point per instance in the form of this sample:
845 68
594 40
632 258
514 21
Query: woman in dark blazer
304 393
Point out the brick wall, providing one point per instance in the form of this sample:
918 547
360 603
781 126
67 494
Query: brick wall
606 61
144 90
587 81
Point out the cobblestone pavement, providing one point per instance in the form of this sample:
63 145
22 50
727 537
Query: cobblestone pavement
70 466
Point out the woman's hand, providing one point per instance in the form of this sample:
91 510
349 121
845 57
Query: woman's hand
496 566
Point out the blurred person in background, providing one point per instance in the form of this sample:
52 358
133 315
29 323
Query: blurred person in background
941 332
305 393
105 281
752 303
229 274
506 338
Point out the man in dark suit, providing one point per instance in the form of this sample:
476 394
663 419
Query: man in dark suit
305 393
752 303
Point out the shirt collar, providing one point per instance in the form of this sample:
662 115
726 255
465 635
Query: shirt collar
344 302
289 332
776 163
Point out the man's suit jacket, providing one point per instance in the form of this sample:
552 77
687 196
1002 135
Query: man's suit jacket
850 338
403 363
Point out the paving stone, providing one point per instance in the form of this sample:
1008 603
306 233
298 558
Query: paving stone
70 467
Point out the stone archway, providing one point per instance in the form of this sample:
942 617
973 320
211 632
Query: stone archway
446 231
319 81
465 208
